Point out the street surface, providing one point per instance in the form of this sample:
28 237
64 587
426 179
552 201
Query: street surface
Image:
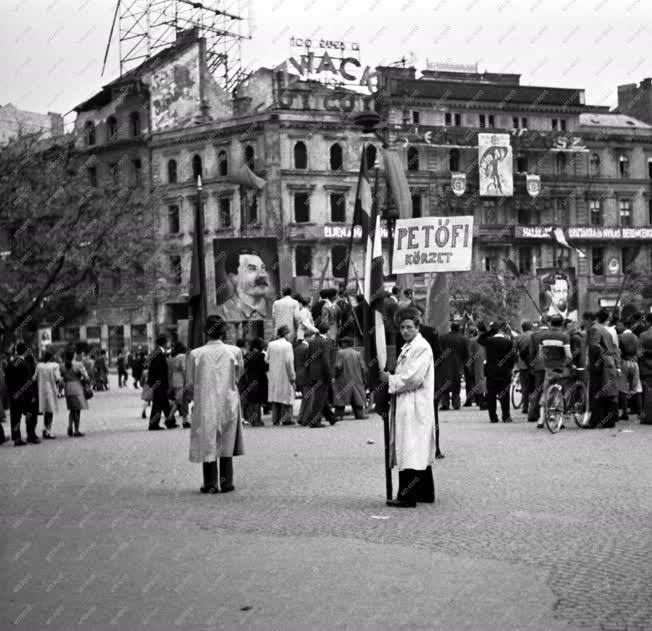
529 531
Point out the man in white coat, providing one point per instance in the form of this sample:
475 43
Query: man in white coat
285 312
281 377
413 415
216 427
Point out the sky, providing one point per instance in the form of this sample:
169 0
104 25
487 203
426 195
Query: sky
53 49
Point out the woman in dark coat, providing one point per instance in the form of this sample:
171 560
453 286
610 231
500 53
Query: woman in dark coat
137 368
253 385
74 376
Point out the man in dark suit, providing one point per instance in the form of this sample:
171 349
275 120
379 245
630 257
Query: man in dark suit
501 356
645 367
157 380
390 307
321 372
455 353
604 374
20 390
523 350
302 372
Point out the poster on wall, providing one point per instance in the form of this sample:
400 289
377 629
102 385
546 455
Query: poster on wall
495 165
433 244
174 89
246 278
558 292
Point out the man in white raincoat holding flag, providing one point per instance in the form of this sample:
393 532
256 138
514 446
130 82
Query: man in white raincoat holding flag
413 415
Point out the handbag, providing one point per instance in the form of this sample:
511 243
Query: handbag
88 390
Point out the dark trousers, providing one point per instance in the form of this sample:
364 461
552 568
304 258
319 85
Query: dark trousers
253 413
210 472
416 486
498 389
305 405
160 405
319 404
452 391
526 388
16 412
122 379
536 385
469 382
281 413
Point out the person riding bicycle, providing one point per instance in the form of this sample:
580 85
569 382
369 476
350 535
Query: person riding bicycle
554 346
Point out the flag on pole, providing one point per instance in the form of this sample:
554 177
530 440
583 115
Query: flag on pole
368 218
197 308
559 237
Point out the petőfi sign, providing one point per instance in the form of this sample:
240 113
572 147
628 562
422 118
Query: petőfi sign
433 244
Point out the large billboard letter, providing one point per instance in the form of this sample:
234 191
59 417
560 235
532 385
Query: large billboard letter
433 244
174 88
246 278
558 292
495 165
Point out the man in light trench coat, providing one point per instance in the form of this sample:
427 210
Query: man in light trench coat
216 426
413 415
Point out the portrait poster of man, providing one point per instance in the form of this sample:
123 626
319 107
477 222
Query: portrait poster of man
246 281
558 292
495 165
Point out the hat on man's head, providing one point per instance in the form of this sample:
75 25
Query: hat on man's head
283 330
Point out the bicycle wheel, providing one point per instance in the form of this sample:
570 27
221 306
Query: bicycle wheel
516 393
553 410
578 404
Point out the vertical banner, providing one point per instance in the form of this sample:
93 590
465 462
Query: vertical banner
495 165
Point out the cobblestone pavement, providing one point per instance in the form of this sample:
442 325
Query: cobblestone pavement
529 530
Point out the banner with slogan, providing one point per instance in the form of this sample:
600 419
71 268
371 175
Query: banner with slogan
433 244
495 165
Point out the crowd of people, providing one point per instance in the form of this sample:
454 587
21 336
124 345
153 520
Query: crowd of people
613 357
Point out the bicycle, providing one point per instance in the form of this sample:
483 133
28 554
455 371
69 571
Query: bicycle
562 402
516 390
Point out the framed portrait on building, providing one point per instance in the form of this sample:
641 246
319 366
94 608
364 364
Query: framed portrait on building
246 280
558 292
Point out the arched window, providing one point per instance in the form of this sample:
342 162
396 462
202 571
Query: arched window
172 171
89 132
371 156
134 124
594 164
561 163
336 157
300 156
250 157
196 167
412 159
521 163
454 160
222 163
111 128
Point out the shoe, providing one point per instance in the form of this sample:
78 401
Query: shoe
443 409
185 425
79 434
623 417
211 490
334 421
227 488
507 420
532 420
154 428
316 425
289 423
172 425
47 435
468 404
493 420
539 425
19 443
34 440
401 504
257 424
143 415
70 432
